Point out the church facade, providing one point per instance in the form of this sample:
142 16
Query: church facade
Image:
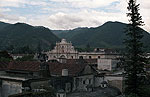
63 49
66 50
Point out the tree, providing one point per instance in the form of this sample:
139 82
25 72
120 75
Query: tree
26 58
135 57
4 56
39 48
88 47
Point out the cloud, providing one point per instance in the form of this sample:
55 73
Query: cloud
21 3
84 18
69 14
86 3
8 17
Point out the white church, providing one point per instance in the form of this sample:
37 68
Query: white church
66 50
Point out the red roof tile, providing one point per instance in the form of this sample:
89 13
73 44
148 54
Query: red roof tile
26 66
73 69
78 61
4 65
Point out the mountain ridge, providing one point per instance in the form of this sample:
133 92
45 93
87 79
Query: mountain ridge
109 35
22 34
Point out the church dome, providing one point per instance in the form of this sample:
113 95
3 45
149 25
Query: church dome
63 41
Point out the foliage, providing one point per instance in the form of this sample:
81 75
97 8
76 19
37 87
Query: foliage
21 34
146 91
132 95
23 50
26 58
109 35
4 56
84 49
135 58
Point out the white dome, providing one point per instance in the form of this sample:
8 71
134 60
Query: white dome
63 41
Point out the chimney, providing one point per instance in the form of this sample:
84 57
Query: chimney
64 72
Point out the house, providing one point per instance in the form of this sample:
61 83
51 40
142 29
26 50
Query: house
3 67
71 75
20 77
75 76
107 64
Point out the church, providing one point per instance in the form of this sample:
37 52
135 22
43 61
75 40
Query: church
65 50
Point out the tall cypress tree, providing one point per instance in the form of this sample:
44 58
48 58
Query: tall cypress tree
135 59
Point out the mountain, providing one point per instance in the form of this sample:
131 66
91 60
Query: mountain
2 25
21 34
109 35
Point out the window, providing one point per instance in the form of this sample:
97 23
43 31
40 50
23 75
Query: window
90 82
77 82
81 57
84 82
90 57
99 57
72 57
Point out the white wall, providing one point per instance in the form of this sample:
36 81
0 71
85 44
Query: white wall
116 81
107 64
10 87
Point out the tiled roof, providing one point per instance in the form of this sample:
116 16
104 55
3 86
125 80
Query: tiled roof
25 66
73 69
91 61
4 65
77 61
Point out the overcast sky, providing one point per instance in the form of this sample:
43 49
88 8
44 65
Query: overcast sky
69 14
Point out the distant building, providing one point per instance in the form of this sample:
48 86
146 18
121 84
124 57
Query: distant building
66 50
63 50
107 64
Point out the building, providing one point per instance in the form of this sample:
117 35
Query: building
66 50
74 76
19 77
63 50
107 64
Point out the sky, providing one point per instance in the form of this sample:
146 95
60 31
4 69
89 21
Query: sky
69 14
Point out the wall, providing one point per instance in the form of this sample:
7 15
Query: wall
34 94
116 81
98 81
39 84
81 82
107 64
10 87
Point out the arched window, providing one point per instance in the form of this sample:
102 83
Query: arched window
90 57
62 56
72 57
80 57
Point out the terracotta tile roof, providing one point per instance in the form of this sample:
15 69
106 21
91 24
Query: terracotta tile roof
4 65
25 66
91 61
77 61
73 69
